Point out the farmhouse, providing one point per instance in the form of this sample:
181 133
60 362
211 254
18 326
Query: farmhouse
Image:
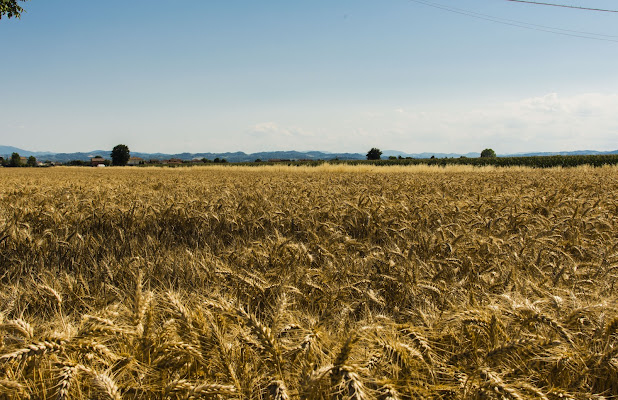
96 161
135 161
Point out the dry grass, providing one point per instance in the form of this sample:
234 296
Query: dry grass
333 282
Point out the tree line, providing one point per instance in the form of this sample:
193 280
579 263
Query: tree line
17 161
376 154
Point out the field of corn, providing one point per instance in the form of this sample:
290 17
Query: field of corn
333 282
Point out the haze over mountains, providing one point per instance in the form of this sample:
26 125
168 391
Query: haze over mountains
6 151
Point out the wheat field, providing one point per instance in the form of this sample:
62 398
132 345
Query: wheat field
333 282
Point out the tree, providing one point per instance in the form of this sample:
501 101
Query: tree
78 163
120 155
374 154
10 8
15 160
488 153
31 161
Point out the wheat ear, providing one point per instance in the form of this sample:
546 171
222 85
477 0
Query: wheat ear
10 387
388 392
351 387
33 350
343 355
65 379
278 391
497 385
192 391
18 327
265 338
106 387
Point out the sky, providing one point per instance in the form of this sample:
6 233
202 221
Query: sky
447 76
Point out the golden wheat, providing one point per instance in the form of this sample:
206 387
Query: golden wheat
333 282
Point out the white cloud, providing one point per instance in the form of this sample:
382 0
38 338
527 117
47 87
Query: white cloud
549 122
544 123
269 129
274 130
266 136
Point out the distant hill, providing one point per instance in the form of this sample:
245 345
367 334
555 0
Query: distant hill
239 156
565 153
387 153
8 150
395 153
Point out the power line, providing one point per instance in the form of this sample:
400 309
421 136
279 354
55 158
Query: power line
520 24
563 6
513 22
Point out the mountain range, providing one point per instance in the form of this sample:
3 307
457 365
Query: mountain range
6 151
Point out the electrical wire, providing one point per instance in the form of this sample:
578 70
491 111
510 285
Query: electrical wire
520 24
524 24
563 6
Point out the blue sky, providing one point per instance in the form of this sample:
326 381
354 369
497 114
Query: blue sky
236 75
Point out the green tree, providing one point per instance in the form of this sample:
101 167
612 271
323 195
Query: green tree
120 155
31 161
374 154
78 163
15 160
488 153
10 8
